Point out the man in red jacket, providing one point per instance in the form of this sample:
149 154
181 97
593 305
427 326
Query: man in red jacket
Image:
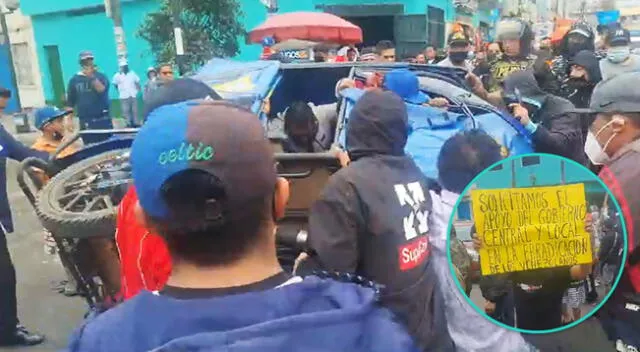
145 263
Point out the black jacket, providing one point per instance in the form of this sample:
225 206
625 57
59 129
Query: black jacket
11 149
559 128
373 219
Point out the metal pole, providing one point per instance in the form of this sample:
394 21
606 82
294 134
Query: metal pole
7 42
177 33
118 29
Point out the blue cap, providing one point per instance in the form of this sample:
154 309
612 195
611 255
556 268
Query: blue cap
85 54
405 83
216 137
47 114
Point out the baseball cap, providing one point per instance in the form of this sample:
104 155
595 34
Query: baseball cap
85 54
178 91
405 83
614 95
458 38
216 137
618 37
47 114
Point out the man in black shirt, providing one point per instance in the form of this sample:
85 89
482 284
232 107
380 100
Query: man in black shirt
374 218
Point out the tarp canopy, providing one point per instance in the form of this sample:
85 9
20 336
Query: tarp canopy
431 127
246 83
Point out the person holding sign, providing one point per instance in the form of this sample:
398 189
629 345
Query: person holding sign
540 237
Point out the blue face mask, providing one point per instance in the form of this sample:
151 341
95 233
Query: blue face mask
618 54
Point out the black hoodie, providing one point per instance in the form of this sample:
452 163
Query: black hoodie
374 217
559 130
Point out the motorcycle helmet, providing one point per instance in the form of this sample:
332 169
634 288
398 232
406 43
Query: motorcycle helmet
515 28
579 37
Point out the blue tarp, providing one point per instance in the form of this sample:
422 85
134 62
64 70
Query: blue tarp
431 127
247 83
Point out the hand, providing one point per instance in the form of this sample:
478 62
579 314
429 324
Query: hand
477 244
588 223
346 83
489 307
520 113
302 257
341 155
474 82
439 102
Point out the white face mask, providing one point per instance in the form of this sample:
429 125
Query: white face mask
596 153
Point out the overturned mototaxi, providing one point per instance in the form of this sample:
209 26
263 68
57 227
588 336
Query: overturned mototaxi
80 201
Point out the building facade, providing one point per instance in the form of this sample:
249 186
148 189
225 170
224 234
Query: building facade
25 60
64 28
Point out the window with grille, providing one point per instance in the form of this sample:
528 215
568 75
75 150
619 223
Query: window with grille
22 64
436 26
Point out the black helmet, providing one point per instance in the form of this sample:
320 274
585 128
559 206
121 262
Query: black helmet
586 39
515 28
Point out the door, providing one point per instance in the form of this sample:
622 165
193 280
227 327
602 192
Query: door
55 74
436 26
411 36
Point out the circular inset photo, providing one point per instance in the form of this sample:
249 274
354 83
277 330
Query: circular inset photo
536 243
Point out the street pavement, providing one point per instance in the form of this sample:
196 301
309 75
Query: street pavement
39 307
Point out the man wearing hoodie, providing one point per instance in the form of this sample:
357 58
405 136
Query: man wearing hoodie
554 126
227 291
580 37
378 227
584 75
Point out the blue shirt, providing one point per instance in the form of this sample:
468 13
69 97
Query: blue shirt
89 103
300 315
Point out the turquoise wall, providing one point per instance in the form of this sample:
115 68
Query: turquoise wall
94 32
72 34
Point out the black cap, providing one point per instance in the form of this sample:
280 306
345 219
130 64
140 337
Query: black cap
458 38
618 37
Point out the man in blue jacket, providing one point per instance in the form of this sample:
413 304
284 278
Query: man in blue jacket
205 176
88 93
11 333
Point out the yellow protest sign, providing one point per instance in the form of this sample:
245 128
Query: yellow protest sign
531 228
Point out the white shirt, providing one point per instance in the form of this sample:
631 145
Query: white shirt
470 331
126 84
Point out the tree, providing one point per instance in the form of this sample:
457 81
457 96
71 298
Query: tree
209 29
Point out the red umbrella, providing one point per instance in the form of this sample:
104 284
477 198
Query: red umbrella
314 26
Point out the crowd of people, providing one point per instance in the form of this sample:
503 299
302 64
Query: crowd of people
196 230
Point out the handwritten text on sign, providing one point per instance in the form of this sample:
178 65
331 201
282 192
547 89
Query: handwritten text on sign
531 228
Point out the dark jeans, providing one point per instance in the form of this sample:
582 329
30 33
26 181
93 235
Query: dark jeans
8 302
98 123
504 311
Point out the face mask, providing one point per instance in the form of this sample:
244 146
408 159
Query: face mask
618 54
458 57
594 151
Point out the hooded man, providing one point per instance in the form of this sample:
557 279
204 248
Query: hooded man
584 75
614 142
580 37
356 225
551 120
